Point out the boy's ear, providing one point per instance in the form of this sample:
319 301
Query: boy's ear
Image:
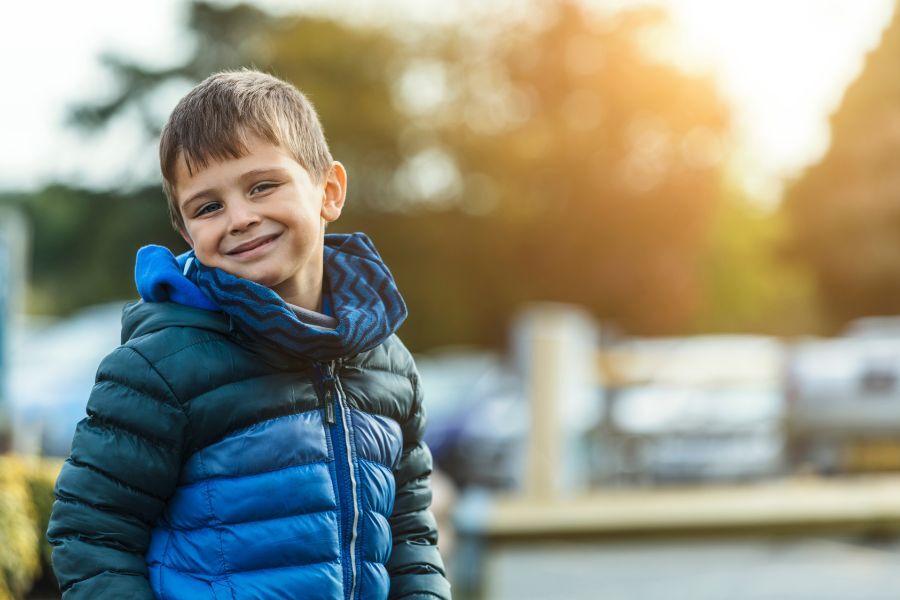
335 192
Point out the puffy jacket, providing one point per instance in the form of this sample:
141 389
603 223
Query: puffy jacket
211 465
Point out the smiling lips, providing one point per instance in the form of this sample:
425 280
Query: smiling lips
253 247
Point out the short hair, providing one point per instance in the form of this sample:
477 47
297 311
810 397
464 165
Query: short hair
213 120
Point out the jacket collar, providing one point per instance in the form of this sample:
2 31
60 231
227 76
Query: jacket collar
363 295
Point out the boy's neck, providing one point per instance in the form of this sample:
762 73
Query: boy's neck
308 298
306 294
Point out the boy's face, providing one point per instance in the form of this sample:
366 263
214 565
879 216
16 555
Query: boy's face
261 217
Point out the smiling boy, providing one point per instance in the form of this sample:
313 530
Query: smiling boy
259 432
276 242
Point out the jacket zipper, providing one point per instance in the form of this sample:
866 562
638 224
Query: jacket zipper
335 407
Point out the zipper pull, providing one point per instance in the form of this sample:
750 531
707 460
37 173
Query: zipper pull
329 403
326 377
332 394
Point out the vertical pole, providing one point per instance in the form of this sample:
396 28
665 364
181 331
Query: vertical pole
556 346
543 458
12 283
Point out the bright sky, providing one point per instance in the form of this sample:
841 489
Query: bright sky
783 64
49 58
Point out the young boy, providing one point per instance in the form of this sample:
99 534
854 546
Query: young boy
259 432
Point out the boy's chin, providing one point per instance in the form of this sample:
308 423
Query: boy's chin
262 278
268 281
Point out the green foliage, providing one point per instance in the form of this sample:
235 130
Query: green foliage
40 477
84 243
844 211
751 286
26 493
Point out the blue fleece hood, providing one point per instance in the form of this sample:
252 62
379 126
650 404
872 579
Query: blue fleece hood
357 286
160 276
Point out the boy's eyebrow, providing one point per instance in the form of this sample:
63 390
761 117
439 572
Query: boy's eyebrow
257 172
248 175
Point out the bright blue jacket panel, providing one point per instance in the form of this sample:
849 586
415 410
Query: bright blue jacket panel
256 514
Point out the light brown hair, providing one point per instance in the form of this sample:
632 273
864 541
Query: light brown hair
213 120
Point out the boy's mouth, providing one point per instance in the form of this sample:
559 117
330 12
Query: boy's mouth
258 243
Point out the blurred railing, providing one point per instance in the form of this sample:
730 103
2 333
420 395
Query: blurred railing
564 497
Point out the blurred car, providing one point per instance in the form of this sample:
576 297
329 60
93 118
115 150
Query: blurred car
477 418
843 401
714 433
52 369
701 408
886 327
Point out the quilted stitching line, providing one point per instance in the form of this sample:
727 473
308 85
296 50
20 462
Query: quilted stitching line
207 493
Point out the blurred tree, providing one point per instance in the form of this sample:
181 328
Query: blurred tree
545 158
84 242
603 165
844 211
751 287
225 37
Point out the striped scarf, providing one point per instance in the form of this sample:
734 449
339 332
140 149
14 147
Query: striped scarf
365 300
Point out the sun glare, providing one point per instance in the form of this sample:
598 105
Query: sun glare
782 64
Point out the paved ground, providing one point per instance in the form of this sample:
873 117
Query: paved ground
795 569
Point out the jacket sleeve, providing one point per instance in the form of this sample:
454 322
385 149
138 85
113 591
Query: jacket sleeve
415 567
124 464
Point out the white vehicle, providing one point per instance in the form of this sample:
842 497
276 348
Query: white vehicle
693 409
843 402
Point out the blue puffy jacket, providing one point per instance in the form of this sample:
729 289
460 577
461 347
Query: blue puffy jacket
213 465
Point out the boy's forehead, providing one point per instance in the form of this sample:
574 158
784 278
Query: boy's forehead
260 156
194 158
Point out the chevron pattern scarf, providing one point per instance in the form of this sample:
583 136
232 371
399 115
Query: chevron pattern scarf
363 296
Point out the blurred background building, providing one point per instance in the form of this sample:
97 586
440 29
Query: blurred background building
651 251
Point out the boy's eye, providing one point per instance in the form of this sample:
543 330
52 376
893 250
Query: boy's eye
261 187
208 208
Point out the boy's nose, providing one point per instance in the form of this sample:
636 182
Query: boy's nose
242 217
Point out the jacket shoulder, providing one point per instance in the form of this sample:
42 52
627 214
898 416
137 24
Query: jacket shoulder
191 349
175 342
159 329
391 355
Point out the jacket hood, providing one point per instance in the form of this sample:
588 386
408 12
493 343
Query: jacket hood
160 276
